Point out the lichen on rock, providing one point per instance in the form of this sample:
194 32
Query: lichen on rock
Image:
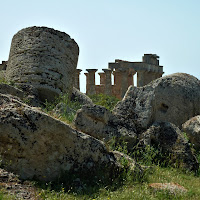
44 58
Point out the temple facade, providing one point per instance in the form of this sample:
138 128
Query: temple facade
123 72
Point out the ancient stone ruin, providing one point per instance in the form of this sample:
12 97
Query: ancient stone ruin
123 71
47 59
39 146
3 65
44 58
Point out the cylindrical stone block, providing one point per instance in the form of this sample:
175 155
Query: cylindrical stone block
44 58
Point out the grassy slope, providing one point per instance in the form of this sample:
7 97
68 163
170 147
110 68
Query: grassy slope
134 190
139 190
130 189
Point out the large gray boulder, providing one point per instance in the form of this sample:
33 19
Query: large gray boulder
100 123
25 93
35 145
44 58
8 89
174 98
192 129
169 139
80 97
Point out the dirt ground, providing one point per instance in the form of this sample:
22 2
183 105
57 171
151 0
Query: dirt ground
10 184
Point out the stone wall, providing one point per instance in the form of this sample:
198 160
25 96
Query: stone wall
45 58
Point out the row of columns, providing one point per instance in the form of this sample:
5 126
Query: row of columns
123 78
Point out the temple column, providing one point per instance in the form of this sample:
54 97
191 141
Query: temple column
148 77
76 80
121 82
102 78
130 77
90 81
117 77
140 78
117 83
124 83
108 84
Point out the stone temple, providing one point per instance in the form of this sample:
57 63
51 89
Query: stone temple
123 71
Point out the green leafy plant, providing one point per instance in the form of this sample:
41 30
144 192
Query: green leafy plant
150 155
104 100
62 108
3 80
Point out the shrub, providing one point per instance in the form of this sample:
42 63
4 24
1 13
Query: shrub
62 108
108 102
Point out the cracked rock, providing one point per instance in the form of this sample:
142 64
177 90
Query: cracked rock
44 58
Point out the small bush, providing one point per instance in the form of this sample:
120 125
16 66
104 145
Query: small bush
108 102
150 155
62 108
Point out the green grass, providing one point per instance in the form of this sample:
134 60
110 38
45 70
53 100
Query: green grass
5 196
69 108
2 80
130 187
104 100
137 190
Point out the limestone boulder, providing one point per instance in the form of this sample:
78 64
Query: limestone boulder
133 166
100 123
192 129
8 89
174 98
26 93
37 146
44 58
80 97
171 142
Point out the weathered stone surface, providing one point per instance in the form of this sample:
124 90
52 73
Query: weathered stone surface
35 145
80 97
8 89
2 74
100 123
44 58
11 184
25 92
192 129
174 98
169 139
134 166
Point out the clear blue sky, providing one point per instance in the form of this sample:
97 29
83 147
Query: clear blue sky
106 30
